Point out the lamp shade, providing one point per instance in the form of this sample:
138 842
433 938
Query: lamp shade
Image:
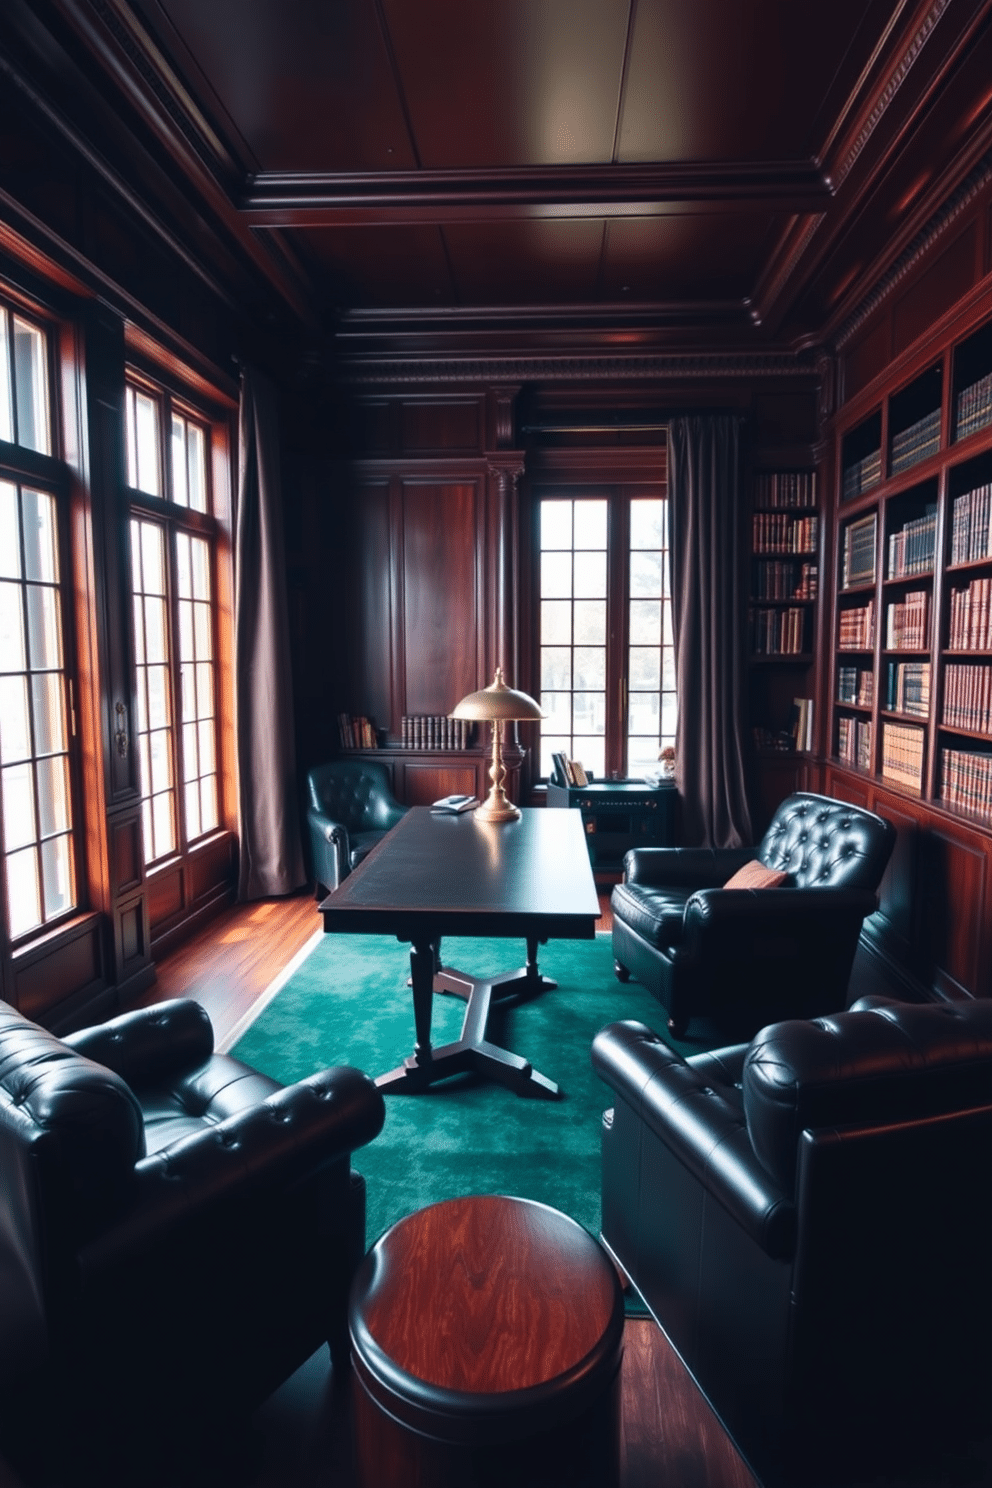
497 702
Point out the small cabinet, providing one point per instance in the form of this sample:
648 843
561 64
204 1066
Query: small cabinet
618 815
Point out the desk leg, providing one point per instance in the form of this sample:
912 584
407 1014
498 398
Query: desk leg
423 961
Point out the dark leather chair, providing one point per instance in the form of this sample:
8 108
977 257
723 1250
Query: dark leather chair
809 1219
178 1233
351 808
750 955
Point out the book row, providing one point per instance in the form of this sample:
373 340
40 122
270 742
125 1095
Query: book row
357 733
966 781
971 525
916 442
777 578
974 407
968 698
777 632
859 551
854 742
902 754
855 685
863 474
775 532
911 549
908 688
968 627
435 731
786 488
907 626
856 630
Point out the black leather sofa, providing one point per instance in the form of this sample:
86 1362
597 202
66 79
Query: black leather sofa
178 1234
750 955
351 808
809 1218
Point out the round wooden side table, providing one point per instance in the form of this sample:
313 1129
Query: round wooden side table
487 1335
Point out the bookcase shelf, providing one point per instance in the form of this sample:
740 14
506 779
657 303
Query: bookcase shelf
912 591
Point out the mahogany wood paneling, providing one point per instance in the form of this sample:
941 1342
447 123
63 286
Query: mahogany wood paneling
368 624
443 613
422 784
126 861
51 973
898 891
867 357
210 868
165 895
935 291
133 933
449 424
953 909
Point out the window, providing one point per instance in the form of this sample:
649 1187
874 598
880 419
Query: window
173 542
607 660
36 743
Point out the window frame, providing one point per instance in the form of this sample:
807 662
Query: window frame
23 466
174 517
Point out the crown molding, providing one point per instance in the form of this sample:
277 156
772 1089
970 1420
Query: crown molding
590 367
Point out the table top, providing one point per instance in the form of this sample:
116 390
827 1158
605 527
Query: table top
456 875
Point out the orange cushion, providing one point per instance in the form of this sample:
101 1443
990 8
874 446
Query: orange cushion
755 875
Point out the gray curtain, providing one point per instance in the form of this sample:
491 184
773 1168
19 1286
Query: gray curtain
708 610
271 860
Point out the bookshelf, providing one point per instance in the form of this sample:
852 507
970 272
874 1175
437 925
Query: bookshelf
783 593
910 700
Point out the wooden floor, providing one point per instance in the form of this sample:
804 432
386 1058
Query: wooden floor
302 1440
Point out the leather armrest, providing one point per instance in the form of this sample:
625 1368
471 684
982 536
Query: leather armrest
705 1131
710 912
297 1131
329 829
152 1045
684 867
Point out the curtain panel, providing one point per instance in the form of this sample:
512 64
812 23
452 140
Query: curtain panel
708 557
271 855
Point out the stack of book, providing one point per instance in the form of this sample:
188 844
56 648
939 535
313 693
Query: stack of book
909 688
855 685
357 733
968 698
971 525
857 628
775 532
802 723
786 488
778 579
966 781
911 549
902 754
854 742
917 442
907 622
969 620
863 474
777 632
435 731
974 408
859 552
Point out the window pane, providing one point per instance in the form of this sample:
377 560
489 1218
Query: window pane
44 629
647 518
556 667
155 647
139 629
187 687
191 768
209 816
204 690
192 804
646 574
590 575
590 753
41 560
556 524
186 630
15 736
645 622
180 490
143 452
558 707
589 712
10 532
57 875
31 387
556 575
152 558
49 713
160 758
18 806
553 744
589 668
6 384
12 657
200 553
590 622
164 826
184 578
556 622
644 713
53 795
590 524
201 618
23 898
205 735
196 449
158 697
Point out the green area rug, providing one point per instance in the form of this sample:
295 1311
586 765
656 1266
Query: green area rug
348 1003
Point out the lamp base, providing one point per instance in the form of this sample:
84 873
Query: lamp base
496 808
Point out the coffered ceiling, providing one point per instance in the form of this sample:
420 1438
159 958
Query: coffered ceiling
720 172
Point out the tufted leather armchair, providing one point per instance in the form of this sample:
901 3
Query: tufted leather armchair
749 955
177 1234
809 1219
351 809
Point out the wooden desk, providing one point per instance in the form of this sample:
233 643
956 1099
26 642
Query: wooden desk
453 875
